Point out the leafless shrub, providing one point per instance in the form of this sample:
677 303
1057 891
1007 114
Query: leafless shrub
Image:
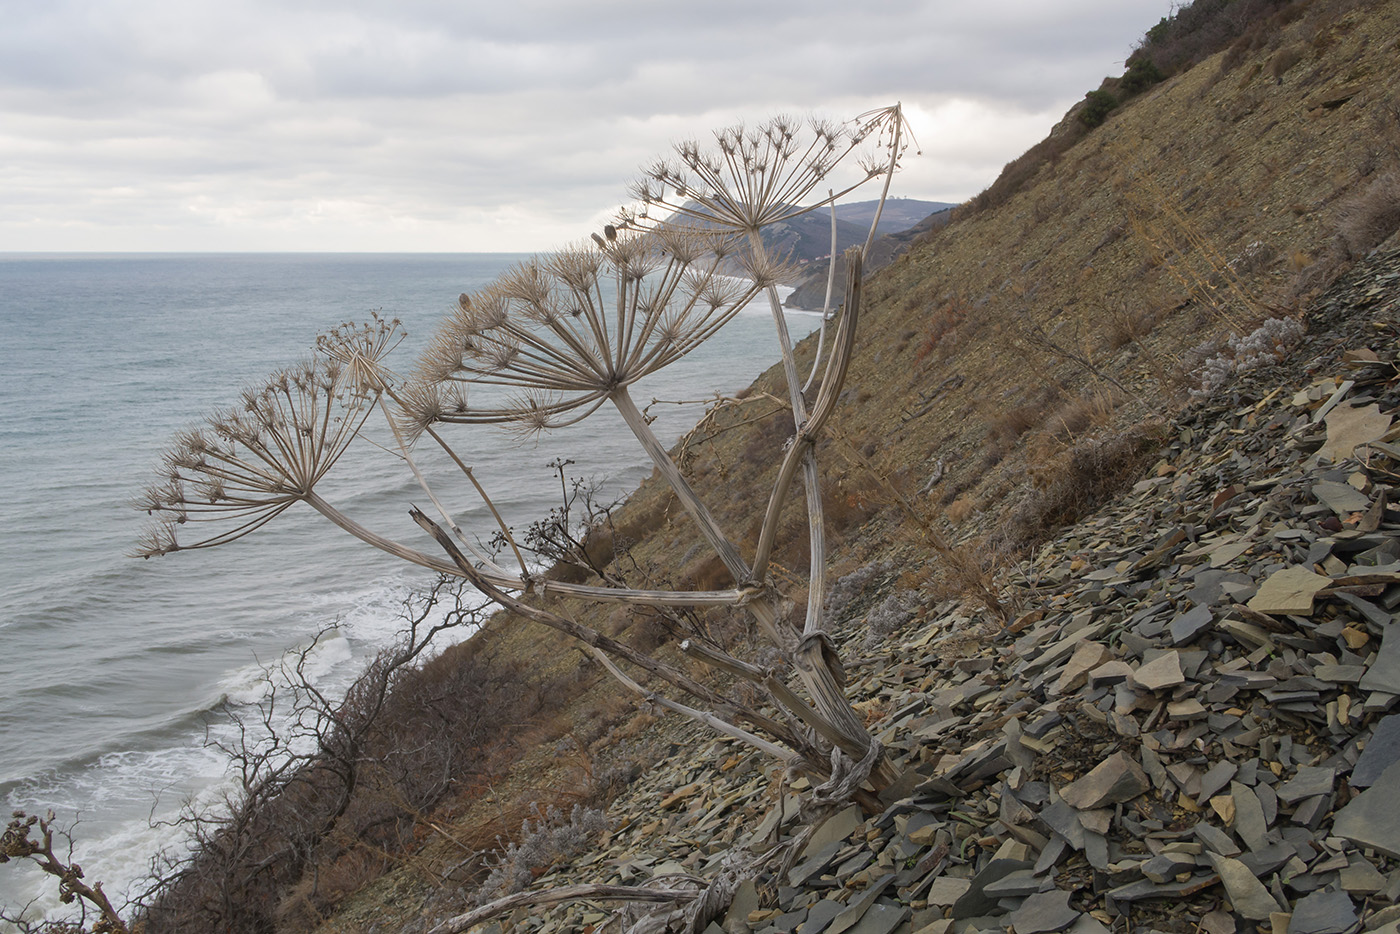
1265 344
1368 218
1088 474
549 840
317 779
889 616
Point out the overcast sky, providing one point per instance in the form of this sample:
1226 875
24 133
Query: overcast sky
420 125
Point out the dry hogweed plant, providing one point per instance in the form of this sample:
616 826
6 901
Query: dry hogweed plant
544 347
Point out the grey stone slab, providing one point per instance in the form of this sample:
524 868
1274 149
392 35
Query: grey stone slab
1264 861
881 918
1341 498
1384 673
1247 894
1117 779
1216 778
858 906
1044 913
1371 818
1064 820
946 890
1340 674
1250 825
837 827
810 868
1191 624
1145 889
745 901
1018 884
1165 867
1325 912
820 915
1096 850
1209 585
787 922
1361 878
1381 752
975 902
1310 811
1373 614
1310 780
1161 673
1215 839
1088 924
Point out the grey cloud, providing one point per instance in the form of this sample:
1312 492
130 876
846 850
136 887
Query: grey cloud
148 114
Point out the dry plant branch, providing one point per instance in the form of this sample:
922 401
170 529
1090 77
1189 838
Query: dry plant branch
543 347
19 842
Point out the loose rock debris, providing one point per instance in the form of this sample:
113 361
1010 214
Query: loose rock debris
1195 729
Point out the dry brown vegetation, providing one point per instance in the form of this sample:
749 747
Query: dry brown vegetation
1006 381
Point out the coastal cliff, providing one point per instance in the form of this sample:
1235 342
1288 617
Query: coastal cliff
1066 381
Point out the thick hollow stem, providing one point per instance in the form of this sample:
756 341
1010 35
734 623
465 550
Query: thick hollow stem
657 598
407 455
799 454
826 302
593 638
889 176
690 501
713 722
786 697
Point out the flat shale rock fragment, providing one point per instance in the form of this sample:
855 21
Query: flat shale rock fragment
1088 656
1167 866
1118 778
1341 498
880 918
1384 673
946 890
1308 782
1044 913
1190 624
1289 591
1324 913
1161 673
975 902
1381 752
1372 817
1250 823
820 915
1348 426
855 913
1247 894
837 826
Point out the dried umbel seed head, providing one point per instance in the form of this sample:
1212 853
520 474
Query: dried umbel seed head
247 465
760 175
357 352
570 328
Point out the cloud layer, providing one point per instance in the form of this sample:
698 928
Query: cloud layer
423 125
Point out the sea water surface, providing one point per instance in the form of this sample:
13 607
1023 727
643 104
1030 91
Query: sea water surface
111 667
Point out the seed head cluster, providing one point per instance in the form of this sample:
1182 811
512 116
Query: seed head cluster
251 462
565 330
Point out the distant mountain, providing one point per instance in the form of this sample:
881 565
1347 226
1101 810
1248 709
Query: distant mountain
806 239
899 214
897 232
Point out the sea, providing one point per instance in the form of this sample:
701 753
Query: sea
115 671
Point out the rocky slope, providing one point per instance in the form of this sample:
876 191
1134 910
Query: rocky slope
1191 728
1017 371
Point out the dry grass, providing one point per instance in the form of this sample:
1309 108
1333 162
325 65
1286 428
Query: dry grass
1081 479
